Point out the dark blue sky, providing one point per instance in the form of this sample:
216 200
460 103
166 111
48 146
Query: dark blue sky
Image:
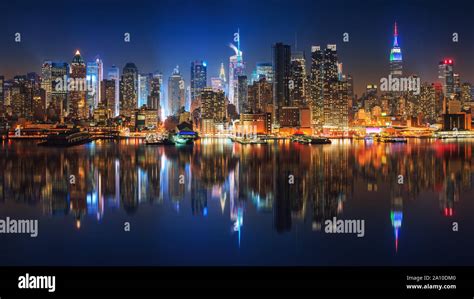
175 32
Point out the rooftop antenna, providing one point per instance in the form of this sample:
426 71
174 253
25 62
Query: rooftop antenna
296 41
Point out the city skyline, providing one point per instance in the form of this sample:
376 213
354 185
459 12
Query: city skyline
365 56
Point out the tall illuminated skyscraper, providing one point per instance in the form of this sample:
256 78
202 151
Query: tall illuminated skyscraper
154 97
198 78
236 69
446 77
114 74
396 59
316 106
78 108
243 94
95 75
144 83
298 79
59 96
176 92
281 91
324 82
129 89
46 80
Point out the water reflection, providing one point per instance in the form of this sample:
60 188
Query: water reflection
297 183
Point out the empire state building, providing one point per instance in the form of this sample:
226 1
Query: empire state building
396 61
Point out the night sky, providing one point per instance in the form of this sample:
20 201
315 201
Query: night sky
175 32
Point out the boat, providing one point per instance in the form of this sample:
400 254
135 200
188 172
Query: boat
392 139
68 138
312 140
320 140
158 139
250 141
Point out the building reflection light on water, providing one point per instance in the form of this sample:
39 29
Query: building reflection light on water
344 178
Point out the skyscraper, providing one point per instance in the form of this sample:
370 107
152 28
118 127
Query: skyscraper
396 59
282 73
129 90
298 83
263 70
114 74
317 62
236 69
78 108
198 78
155 93
217 84
324 85
59 96
46 80
95 75
176 92
330 71
243 94
427 104
446 77
108 94
144 84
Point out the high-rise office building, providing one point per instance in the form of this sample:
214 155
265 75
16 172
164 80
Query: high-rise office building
236 69
217 84
213 105
282 74
330 78
144 84
260 96
198 78
243 94
324 78
114 74
264 70
59 96
46 80
317 62
78 108
427 103
457 84
446 77
108 95
95 75
466 93
396 58
176 92
298 82
129 90
155 93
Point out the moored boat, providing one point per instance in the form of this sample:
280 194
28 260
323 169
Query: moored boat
68 138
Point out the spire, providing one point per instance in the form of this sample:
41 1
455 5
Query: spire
395 35
77 52
222 73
